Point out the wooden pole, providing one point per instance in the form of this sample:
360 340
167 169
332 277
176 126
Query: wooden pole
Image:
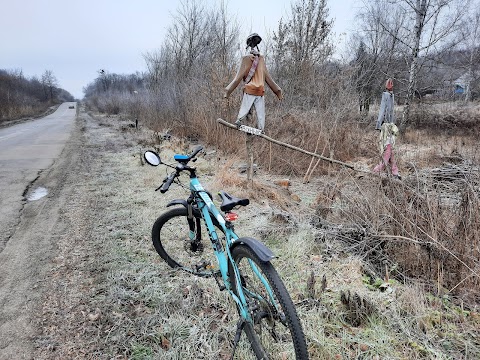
249 144
232 126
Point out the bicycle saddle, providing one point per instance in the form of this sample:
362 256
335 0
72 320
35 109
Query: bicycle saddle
230 201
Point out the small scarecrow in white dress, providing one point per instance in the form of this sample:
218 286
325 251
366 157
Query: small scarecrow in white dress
388 131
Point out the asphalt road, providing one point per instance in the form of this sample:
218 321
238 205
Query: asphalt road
25 151
34 145
30 155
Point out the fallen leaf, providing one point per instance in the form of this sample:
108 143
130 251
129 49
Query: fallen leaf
165 343
93 317
364 347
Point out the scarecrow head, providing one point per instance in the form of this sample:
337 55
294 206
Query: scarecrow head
253 40
389 85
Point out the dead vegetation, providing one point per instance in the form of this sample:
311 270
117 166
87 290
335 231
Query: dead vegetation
377 268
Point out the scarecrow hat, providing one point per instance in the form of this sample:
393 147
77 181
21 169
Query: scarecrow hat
253 40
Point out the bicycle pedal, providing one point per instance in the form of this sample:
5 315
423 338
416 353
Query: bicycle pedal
205 266
220 286
200 266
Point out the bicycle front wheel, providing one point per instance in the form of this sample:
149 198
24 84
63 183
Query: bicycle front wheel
180 247
276 332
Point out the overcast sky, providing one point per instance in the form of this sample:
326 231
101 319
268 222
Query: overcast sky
75 39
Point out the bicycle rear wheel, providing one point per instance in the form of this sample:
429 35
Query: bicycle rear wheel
171 239
276 332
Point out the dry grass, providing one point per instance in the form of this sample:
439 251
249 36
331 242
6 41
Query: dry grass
424 227
12 115
123 301
333 132
454 118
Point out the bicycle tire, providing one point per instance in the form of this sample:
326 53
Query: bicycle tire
292 340
170 236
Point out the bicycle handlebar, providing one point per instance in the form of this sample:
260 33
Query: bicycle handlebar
195 151
167 182
183 160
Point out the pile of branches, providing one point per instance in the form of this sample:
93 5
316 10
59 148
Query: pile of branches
426 226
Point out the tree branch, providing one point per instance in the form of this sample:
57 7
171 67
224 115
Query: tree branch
232 126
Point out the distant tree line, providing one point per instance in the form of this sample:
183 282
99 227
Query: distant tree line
23 97
113 93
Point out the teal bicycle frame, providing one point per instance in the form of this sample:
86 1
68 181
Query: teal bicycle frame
222 252
243 262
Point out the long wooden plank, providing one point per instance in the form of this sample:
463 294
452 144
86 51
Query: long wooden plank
232 126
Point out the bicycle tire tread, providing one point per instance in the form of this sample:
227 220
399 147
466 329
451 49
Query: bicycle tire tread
157 226
278 287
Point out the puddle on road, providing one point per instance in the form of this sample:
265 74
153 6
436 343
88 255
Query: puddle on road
38 193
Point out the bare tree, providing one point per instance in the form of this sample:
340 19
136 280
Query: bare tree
224 37
189 35
157 66
49 82
300 44
377 53
418 29
364 76
303 37
471 43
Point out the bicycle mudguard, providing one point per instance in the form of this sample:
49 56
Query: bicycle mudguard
178 202
263 252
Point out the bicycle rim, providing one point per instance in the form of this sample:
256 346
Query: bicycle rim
171 239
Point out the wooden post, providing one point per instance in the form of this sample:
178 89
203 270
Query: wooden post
249 144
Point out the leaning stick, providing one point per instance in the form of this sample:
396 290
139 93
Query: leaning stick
232 126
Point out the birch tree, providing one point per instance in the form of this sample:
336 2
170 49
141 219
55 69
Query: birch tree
429 27
471 45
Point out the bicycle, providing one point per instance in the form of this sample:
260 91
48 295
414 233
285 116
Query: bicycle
267 313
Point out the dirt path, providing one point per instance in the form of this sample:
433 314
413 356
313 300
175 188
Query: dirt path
74 319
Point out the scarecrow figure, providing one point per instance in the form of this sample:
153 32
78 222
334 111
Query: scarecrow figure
388 131
254 74
386 114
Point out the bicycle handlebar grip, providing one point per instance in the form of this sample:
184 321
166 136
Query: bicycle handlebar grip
167 182
196 151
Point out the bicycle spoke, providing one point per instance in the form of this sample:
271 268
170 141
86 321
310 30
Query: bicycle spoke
181 248
274 334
